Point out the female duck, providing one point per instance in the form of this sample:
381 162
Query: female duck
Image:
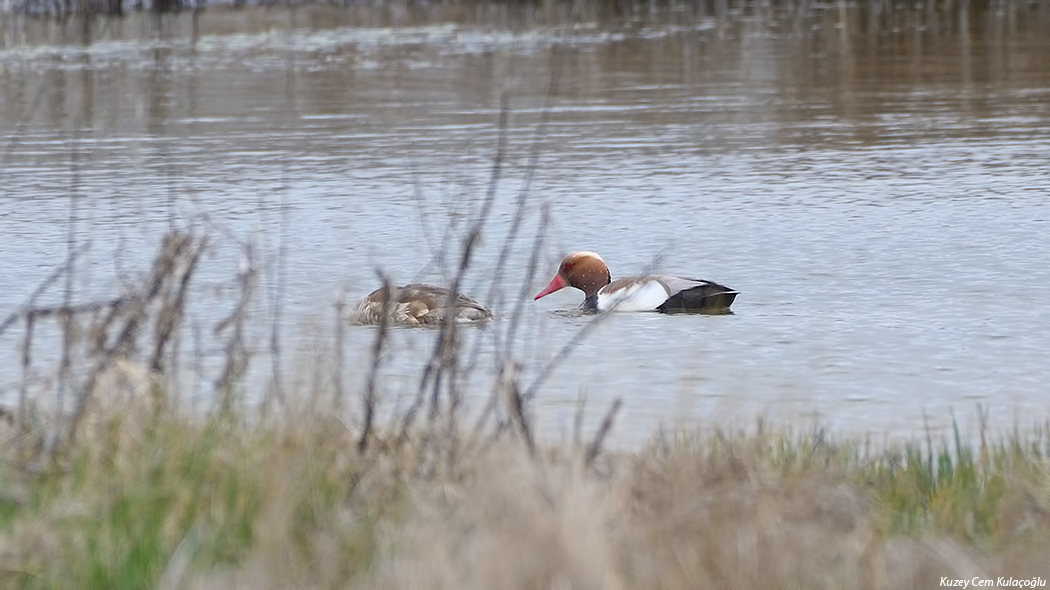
417 304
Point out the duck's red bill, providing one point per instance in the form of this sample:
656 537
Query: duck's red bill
556 283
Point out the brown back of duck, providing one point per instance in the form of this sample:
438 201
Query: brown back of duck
417 304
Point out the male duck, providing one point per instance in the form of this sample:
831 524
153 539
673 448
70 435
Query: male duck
665 293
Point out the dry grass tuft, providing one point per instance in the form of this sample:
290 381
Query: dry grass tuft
505 521
179 501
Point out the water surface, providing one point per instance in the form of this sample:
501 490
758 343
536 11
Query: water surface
876 187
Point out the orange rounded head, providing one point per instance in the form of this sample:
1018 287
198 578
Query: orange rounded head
584 270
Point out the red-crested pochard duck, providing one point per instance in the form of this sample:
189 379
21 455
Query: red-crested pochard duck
417 304
666 293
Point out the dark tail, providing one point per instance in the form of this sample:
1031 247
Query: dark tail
707 298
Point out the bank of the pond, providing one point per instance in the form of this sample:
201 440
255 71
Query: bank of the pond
157 499
789 13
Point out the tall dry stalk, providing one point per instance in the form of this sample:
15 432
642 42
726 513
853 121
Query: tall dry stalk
442 368
98 334
236 352
165 291
369 397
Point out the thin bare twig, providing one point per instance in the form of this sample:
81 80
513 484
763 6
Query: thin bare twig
171 312
530 171
442 363
596 445
577 423
165 278
516 404
340 337
236 356
44 286
494 294
278 297
369 400
474 235
563 354
23 388
534 256
65 364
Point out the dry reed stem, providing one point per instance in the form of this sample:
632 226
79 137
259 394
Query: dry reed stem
595 448
165 290
338 389
236 362
104 334
369 399
508 383
443 363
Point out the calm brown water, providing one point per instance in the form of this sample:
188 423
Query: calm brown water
878 188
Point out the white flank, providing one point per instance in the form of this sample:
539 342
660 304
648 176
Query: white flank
645 296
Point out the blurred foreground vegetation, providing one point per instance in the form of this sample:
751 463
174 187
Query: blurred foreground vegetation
164 500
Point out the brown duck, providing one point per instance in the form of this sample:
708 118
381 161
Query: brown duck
417 304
